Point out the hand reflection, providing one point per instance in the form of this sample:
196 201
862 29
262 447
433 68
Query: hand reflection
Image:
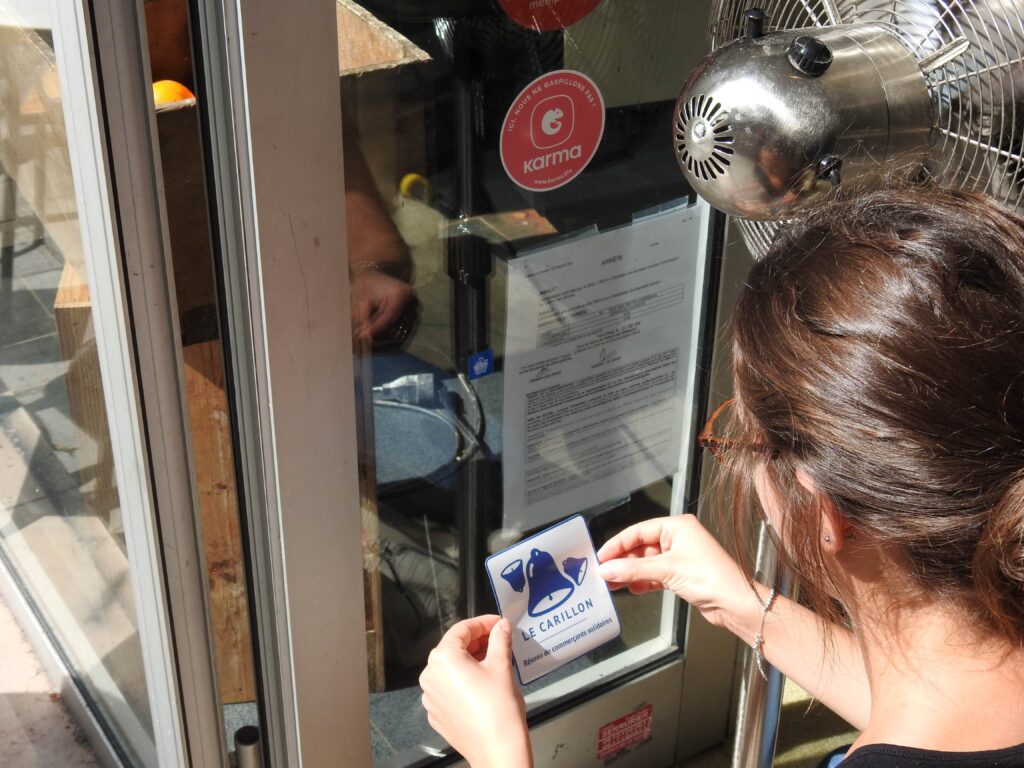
384 307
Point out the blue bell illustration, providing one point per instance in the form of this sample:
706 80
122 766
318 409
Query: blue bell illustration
548 587
575 568
513 574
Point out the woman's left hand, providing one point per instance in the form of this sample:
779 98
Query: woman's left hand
471 696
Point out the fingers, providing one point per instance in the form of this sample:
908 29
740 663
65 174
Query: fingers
384 315
643 587
465 632
639 536
478 648
499 646
629 570
361 311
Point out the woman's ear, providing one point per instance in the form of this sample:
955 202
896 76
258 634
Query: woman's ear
835 530
806 481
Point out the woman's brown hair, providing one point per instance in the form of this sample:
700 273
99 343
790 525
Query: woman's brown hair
879 347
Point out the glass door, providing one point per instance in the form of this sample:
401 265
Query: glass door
98 544
469 295
63 529
530 284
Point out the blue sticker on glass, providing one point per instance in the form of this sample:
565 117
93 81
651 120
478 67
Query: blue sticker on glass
481 364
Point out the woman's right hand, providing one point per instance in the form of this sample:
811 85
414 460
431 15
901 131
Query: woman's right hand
677 553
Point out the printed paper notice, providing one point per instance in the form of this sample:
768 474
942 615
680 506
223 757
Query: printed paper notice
598 362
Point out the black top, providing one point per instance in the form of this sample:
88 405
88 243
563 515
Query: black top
891 756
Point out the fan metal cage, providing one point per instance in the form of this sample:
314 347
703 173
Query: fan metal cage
977 96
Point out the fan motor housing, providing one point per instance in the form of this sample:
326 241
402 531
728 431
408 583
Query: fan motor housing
753 132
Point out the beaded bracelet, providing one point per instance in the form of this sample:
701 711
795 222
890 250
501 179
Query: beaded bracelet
759 637
393 269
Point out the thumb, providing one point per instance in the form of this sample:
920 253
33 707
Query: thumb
499 645
626 570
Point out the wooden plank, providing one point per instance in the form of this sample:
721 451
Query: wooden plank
366 44
76 339
218 508
188 221
170 51
371 518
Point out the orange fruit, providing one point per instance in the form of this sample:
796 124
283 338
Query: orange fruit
167 91
47 89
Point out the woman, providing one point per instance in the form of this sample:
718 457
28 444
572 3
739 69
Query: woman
878 361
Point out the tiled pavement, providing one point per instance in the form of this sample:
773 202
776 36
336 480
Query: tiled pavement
36 730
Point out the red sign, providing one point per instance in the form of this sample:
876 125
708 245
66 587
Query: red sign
552 130
547 15
623 733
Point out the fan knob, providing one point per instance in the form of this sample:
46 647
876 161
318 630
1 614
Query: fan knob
809 56
755 19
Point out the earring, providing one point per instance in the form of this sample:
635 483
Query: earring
828 539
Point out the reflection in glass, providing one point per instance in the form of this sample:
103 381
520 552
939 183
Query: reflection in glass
425 87
61 531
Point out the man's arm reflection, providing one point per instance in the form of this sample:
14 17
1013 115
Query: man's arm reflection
384 305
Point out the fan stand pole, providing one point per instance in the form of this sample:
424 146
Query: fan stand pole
760 702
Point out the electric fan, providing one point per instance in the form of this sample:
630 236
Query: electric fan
800 96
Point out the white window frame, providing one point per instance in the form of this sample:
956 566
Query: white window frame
103 68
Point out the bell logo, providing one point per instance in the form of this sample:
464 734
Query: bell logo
551 122
548 587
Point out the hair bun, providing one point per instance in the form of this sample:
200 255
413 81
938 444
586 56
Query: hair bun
999 560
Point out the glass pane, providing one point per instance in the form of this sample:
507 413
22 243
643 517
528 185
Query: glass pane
527 268
61 531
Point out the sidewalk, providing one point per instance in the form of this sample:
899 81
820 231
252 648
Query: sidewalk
807 732
36 730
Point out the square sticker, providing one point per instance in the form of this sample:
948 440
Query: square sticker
480 364
547 586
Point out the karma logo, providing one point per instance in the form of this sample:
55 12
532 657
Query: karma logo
552 122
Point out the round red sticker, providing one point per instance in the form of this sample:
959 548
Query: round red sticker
547 15
552 130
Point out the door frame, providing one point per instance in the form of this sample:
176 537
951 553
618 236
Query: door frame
270 103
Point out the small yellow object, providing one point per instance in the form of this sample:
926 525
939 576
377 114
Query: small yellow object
168 91
415 187
46 89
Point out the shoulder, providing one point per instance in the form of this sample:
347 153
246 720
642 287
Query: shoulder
890 755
